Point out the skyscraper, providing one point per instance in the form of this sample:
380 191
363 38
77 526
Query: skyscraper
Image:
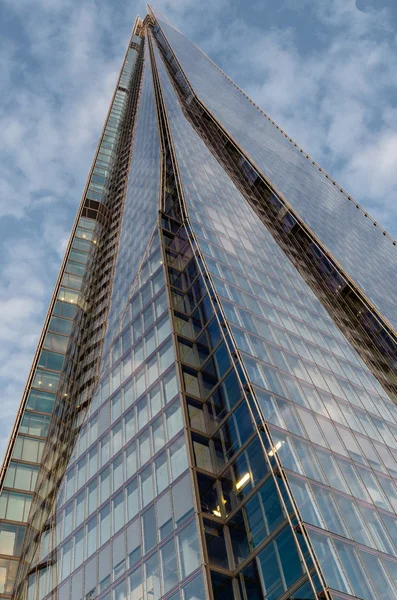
210 412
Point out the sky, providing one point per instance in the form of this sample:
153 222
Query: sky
326 72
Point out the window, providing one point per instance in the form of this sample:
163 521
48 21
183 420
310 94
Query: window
144 447
161 469
118 555
134 542
105 484
66 552
104 524
164 515
182 499
156 402
215 541
149 530
11 537
15 507
188 549
174 419
136 584
158 434
169 570
117 437
142 413
104 567
22 477
152 578
120 591
178 457
92 497
130 460
194 590
132 500
78 554
146 480
117 472
118 512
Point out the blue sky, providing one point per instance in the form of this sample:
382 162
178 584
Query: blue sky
326 71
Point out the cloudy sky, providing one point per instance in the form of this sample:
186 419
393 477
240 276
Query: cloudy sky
326 71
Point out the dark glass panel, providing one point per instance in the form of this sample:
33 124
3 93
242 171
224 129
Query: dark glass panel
222 586
216 547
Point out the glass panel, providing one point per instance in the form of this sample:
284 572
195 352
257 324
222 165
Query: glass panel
182 499
152 584
169 571
188 550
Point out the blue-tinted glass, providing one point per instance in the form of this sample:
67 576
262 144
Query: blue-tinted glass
222 586
367 255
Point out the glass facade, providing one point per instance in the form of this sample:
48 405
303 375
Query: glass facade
208 416
366 255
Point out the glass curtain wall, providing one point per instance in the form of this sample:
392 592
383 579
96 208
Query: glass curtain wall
334 431
230 443
365 254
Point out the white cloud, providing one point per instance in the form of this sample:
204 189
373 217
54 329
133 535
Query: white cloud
25 281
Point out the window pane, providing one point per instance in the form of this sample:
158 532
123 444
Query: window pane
188 549
161 467
164 515
194 590
146 479
169 571
152 578
149 530
182 499
104 522
120 592
134 542
118 511
178 457
132 499
136 585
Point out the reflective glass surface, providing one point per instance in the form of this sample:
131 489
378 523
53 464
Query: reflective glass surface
309 381
369 257
141 202
127 490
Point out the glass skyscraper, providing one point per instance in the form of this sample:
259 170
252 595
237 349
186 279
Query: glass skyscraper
211 411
